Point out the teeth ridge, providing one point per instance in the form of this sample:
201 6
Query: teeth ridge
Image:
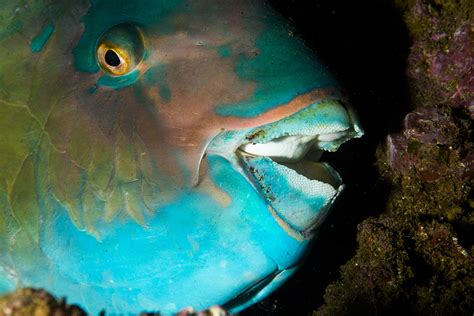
291 148
282 149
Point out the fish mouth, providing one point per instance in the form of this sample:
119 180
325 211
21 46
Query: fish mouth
300 155
283 162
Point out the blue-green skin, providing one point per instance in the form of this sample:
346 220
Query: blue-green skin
192 250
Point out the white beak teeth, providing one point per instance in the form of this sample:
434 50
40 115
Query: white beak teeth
331 137
289 148
282 149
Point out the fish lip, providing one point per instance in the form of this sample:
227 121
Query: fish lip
330 178
308 225
324 141
352 129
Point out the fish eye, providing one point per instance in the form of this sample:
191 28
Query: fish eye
120 49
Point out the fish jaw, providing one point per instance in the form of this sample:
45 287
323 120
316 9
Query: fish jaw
282 162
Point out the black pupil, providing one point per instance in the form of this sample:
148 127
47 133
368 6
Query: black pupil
111 58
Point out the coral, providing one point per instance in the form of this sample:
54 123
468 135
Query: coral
372 280
441 57
431 143
417 256
32 302
35 302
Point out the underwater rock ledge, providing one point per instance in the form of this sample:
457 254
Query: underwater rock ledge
417 256
35 302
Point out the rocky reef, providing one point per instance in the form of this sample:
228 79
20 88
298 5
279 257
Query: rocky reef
417 255
36 302
33 302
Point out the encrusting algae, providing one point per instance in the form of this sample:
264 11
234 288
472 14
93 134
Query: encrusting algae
417 256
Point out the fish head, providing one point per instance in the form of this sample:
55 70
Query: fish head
187 71
164 143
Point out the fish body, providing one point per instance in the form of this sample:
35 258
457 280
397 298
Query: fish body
153 153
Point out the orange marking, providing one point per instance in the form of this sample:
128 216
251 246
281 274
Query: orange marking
282 111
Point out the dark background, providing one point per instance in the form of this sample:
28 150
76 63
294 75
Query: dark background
365 44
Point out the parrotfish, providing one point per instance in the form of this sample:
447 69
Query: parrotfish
159 154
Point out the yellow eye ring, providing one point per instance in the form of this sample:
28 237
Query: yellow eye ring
113 59
121 49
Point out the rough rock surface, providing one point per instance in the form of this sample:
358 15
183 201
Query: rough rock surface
417 256
442 55
34 302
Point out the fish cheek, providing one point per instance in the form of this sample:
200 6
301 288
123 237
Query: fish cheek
97 144
187 120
